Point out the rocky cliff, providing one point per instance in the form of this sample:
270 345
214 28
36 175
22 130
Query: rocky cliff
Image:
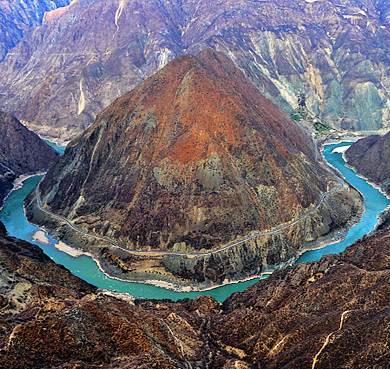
330 313
21 152
86 55
17 17
371 158
194 159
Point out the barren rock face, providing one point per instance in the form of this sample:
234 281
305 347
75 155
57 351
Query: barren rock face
330 313
21 152
17 17
84 56
370 156
195 154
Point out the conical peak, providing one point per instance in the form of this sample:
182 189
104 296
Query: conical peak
191 154
201 104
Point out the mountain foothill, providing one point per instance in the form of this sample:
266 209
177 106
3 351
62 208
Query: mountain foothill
22 152
331 313
192 160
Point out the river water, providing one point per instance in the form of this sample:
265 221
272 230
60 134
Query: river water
375 203
12 216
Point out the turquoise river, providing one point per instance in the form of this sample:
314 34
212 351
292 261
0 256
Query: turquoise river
84 267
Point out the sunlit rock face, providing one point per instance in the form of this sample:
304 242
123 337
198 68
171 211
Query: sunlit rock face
86 55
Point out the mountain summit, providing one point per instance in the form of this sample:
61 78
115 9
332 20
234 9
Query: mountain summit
194 154
192 159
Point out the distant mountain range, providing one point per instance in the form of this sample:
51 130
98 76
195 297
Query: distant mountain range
335 53
17 17
193 159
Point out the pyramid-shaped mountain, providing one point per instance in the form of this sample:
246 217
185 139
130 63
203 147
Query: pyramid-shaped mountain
195 155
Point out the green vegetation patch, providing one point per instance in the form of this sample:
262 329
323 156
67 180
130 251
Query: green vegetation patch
296 117
320 127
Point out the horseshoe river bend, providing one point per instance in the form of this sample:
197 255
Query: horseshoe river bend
12 215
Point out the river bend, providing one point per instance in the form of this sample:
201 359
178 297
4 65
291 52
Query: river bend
84 267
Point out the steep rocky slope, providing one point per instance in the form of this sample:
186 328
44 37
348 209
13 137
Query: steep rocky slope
340 299
16 17
192 160
83 57
371 158
331 313
21 152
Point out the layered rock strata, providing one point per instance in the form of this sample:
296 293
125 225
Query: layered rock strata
83 57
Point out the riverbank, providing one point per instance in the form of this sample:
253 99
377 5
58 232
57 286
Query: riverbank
373 184
88 269
174 286
384 214
114 267
18 183
342 151
376 204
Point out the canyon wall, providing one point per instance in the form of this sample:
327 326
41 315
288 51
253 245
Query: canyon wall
333 53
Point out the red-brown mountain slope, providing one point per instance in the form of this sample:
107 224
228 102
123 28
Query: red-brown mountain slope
195 154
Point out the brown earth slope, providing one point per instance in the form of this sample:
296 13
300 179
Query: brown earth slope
331 313
193 159
50 318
